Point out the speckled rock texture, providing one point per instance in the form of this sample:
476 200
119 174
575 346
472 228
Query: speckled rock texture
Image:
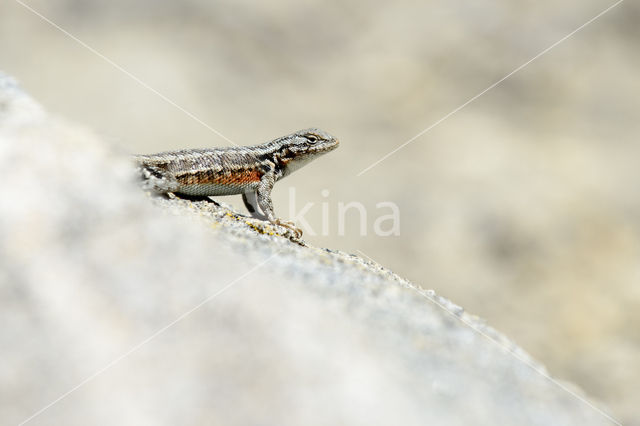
121 308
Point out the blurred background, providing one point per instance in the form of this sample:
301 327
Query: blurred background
523 207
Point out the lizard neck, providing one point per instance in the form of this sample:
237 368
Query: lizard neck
285 159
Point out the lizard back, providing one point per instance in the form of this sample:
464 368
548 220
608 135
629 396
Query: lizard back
222 171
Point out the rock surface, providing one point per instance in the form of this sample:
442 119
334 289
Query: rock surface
118 308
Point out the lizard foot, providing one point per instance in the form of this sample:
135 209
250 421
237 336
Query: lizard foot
291 226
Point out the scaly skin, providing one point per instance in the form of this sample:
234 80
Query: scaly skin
248 170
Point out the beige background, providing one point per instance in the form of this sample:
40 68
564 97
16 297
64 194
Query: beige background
522 207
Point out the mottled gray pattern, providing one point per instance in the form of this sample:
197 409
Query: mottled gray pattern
191 167
248 170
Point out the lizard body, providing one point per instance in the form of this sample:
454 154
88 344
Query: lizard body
248 170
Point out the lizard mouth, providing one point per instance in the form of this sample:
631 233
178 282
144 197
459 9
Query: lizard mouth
332 145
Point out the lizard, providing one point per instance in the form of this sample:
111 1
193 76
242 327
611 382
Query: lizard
250 171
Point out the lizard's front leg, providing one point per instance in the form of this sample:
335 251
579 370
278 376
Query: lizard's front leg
251 203
266 205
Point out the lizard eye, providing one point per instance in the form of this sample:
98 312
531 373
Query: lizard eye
312 138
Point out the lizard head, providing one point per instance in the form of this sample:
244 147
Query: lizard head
300 147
